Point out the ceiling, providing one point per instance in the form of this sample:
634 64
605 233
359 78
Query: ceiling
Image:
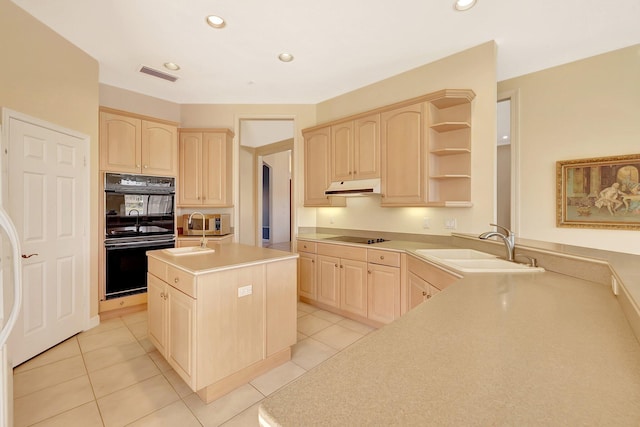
338 45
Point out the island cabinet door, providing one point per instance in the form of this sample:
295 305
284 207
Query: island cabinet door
328 280
353 286
156 313
181 335
281 306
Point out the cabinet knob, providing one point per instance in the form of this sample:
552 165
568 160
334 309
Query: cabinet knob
138 166
381 256
369 271
162 295
341 266
424 294
313 261
176 280
304 246
145 166
336 265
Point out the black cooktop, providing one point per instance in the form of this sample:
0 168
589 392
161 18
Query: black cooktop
352 239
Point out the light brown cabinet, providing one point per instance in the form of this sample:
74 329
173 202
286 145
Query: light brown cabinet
131 144
424 280
355 149
172 325
450 149
423 158
205 170
403 151
383 285
352 281
342 277
307 269
317 168
251 309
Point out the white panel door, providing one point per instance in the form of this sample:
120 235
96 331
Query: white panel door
46 196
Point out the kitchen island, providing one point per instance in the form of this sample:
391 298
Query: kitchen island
492 349
224 315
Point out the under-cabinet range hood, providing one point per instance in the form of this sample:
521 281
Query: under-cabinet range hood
359 187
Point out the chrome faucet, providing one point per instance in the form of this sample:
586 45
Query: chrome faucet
137 218
203 242
508 238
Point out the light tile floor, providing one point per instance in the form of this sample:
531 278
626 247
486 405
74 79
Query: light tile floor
112 375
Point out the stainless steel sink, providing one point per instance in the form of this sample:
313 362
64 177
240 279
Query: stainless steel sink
472 261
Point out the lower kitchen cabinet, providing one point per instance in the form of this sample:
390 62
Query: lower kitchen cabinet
383 293
424 280
171 319
355 282
328 280
307 270
353 286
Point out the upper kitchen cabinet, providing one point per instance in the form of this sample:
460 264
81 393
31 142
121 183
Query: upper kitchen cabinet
205 171
403 149
317 170
449 143
136 144
355 149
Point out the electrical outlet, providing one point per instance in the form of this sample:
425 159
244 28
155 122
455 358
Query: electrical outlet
450 223
330 220
426 222
243 291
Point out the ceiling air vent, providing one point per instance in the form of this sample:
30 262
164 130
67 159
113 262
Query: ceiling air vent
156 73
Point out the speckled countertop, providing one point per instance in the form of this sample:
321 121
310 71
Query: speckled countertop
493 349
532 349
225 256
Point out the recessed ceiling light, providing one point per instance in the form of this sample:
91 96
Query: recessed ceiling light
285 57
215 21
171 66
464 4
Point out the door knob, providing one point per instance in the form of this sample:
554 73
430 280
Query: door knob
28 256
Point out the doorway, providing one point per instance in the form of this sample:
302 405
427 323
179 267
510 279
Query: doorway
507 161
265 205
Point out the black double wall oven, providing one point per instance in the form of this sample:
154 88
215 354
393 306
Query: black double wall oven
139 216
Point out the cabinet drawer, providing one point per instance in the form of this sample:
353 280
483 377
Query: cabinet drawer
182 281
157 268
342 251
377 256
306 246
432 274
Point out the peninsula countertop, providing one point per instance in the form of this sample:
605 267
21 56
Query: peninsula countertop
223 257
493 349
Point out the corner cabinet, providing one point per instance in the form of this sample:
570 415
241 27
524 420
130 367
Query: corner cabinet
450 149
135 144
205 169
317 170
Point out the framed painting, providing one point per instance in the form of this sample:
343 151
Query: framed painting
599 193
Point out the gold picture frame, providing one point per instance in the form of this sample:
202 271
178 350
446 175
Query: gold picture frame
600 192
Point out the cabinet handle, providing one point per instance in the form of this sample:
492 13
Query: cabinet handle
176 280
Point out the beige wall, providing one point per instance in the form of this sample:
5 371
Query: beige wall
46 77
472 69
122 99
588 108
